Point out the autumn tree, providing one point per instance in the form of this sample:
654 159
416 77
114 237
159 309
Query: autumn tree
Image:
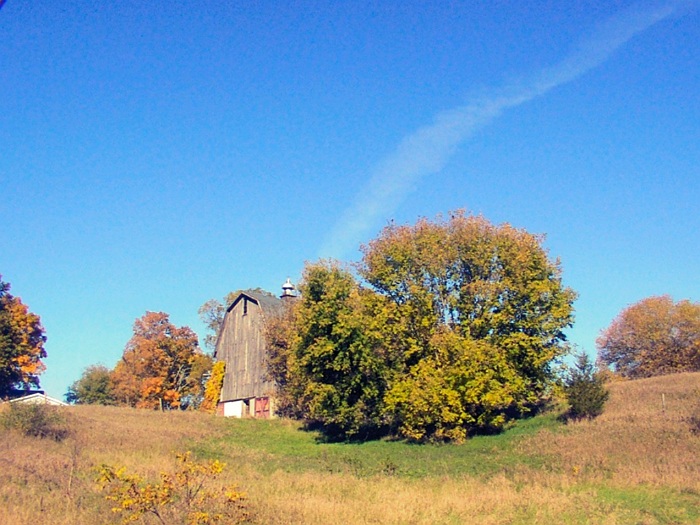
279 333
212 387
22 341
93 388
199 374
652 337
486 282
156 369
483 310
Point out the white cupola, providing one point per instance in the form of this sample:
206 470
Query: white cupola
287 289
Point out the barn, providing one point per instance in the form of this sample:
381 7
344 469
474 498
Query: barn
246 390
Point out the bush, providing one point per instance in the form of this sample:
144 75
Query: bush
35 420
585 389
182 497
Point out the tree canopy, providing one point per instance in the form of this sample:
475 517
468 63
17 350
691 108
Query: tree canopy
336 374
452 326
22 339
652 337
162 366
93 388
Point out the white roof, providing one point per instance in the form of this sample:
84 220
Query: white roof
39 399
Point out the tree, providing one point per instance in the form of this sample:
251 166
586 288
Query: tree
465 385
279 332
213 386
199 374
652 337
157 366
454 330
335 366
22 341
585 389
478 282
93 388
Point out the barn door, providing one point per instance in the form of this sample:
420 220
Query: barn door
262 407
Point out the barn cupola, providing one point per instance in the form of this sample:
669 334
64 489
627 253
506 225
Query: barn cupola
288 290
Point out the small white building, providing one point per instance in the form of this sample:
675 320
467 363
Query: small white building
39 398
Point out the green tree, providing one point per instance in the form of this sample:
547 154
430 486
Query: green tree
22 341
652 337
489 283
464 385
93 388
455 330
336 363
585 389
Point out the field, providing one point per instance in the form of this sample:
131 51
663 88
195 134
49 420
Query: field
639 463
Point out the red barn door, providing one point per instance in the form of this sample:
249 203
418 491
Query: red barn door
262 407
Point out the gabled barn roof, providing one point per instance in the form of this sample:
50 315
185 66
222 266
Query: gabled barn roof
268 302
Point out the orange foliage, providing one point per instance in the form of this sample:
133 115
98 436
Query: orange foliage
155 369
652 337
21 343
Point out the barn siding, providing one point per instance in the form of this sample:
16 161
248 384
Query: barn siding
241 346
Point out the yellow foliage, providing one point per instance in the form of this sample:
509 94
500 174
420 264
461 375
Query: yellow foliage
212 389
181 497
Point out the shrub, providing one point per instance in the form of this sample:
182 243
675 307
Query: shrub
182 497
585 389
35 420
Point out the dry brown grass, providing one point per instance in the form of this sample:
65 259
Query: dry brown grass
41 478
636 464
648 434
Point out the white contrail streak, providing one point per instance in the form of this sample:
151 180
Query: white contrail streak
428 149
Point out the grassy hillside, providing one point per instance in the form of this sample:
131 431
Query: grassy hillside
637 463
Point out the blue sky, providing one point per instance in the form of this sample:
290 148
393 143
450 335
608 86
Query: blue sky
155 155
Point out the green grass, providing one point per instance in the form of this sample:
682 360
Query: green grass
269 446
284 445
652 504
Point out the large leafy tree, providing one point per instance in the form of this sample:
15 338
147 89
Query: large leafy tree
463 386
482 282
156 369
22 341
455 329
652 337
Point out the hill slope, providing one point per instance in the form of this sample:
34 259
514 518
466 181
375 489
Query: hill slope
637 463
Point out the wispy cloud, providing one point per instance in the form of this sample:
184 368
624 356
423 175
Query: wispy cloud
428 149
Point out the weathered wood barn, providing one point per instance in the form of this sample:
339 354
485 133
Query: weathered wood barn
246 391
